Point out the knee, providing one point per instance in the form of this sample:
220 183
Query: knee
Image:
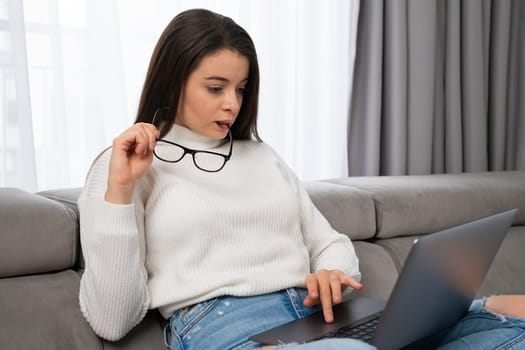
510 305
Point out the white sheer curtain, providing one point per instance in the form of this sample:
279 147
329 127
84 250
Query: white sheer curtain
71 72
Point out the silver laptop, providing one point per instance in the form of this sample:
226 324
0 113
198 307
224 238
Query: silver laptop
435 288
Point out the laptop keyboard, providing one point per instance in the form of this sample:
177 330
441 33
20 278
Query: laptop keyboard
363 331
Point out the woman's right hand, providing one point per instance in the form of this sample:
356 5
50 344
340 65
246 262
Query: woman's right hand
131 156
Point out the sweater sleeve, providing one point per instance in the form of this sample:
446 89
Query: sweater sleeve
113 293
327 248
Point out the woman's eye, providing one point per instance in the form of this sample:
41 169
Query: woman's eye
214 89
242 90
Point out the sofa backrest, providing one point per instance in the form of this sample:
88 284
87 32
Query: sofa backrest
414 205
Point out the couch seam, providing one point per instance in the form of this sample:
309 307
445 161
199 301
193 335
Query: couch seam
378 217
74 247
58 199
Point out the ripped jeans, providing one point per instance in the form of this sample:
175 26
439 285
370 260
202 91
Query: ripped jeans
227 322
481 329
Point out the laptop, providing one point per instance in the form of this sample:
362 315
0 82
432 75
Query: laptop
435 288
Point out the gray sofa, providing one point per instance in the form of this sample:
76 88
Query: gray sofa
41 261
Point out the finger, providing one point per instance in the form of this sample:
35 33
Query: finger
325 295
326 303
126 142
153 135
142 140
335 286
313 290
348 281
156 132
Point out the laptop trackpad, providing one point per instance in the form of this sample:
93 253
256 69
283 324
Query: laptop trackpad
314 326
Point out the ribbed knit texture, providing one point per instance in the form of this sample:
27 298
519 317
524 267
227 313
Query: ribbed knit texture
190 235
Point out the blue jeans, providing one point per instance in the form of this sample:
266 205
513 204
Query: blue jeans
227 322
481 329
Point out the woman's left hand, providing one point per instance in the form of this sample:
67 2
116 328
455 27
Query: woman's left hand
326 287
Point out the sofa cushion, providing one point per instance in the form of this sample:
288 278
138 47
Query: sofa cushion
378 271
41 312
349 210
410 205
36 234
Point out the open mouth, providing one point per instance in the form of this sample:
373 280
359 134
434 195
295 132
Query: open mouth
223 124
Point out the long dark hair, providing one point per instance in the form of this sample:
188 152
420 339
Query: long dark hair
187 39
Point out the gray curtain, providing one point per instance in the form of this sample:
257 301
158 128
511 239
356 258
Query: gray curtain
439 87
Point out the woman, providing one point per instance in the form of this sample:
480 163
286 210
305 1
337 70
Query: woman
191 213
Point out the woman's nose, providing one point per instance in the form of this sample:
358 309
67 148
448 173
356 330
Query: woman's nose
232 101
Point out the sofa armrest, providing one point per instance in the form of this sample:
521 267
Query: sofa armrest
37 234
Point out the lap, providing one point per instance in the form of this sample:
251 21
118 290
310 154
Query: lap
227 322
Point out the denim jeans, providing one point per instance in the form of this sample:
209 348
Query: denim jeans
227 322
481 329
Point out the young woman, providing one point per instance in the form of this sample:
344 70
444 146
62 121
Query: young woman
189 212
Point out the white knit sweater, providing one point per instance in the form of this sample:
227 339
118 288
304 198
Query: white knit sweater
190 235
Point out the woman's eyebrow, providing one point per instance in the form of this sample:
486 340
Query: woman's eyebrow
216 77
223 79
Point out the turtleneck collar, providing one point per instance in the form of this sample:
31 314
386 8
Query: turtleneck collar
188 138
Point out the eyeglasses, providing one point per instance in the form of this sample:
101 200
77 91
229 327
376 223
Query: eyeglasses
207 161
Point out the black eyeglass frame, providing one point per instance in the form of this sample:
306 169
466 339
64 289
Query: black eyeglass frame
193 152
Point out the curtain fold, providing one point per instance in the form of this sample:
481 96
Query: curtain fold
438 87
364 132
18 137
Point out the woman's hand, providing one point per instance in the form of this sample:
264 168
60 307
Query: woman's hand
326 287
131 156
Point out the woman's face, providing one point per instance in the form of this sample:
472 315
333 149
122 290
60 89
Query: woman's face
213 94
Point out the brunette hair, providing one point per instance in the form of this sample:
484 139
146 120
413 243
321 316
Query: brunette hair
187 39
